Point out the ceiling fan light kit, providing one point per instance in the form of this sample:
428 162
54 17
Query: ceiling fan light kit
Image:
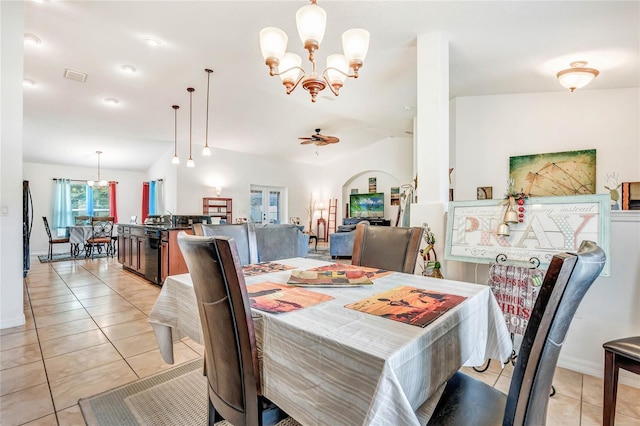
577 76
311 23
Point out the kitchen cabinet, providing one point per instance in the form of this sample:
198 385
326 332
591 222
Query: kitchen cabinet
171 260
131 248
218 207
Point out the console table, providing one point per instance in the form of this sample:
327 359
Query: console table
372 221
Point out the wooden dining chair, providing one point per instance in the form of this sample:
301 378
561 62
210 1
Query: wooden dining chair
52 240
386 247
101 232
231 353
568 278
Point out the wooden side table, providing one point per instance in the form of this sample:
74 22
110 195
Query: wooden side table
321 223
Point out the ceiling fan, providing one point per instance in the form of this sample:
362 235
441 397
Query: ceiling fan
319 140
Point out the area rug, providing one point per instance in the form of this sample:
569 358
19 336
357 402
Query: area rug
177 396
63 257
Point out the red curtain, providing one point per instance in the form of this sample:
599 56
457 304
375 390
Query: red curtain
113 210
145 200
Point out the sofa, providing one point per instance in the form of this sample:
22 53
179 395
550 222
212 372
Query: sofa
341 242
261 243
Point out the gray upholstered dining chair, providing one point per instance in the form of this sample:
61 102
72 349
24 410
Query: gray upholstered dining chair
231 353
568 278
244 235
386 247
52 240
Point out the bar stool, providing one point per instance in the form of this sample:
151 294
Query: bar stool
620 353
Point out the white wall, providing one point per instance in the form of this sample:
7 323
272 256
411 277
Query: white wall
40 177
490 129
11 44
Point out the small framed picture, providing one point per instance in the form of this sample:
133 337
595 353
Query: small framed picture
485 192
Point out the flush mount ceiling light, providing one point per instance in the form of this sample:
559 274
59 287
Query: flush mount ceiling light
111 101
190 162
99 181
311 22
206 151
28 83
175 159
128 69
31 39
577 76
151 41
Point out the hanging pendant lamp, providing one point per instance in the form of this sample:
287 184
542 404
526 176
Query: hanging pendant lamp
175 159
190 162
100 182
206 151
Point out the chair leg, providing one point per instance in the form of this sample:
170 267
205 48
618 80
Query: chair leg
611 371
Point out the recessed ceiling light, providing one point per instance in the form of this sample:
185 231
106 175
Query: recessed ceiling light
128 69
28 83
111 101
152 41
31 39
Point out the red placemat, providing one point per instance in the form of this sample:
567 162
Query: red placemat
277 298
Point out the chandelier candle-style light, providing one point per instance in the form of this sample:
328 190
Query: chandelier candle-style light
206 151
311 22
190 162
99 181
577 76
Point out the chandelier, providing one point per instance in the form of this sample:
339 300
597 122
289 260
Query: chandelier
99 181
577 76
311 22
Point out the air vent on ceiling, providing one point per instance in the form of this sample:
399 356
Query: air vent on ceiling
75 75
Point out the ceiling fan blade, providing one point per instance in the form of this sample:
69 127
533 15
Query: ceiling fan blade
307 142
332 139
306 139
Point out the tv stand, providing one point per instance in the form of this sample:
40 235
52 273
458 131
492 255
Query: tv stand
373 221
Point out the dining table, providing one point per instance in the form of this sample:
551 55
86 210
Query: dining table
78 236
328 364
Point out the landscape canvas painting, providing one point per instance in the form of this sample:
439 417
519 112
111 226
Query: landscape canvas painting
558 173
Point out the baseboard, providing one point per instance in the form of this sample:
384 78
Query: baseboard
13 322
597 370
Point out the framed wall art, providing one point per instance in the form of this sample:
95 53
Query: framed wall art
550 225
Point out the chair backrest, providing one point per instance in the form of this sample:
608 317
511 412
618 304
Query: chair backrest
46 226
568 278
386 247
82 220
244 235
102 227
233 372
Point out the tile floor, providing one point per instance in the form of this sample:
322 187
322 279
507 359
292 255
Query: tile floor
87 331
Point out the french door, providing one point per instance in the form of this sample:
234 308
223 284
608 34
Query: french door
267 204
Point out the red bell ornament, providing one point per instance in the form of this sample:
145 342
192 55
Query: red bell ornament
521 209
521 201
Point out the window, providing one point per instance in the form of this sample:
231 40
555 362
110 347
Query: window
97 204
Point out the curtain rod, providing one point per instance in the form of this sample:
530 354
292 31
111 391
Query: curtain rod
82 180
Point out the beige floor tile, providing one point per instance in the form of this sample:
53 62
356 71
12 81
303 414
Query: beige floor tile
151 362
68 390
71 416
66 329
568 383
502 384
76 283
127 329
18 329
488 377
140 292
74 342
628 402
103 300
91 292
19 356
118 305
563 411
108 320
193 345
55 309
61 317
25 405
53 300
23 338
81 360
21 377
135 345
61 290
49 420
592 416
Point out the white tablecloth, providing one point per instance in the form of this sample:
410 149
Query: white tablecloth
327 364
78 236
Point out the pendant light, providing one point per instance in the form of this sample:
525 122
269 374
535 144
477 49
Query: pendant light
100 182
190 162
206 151
175 159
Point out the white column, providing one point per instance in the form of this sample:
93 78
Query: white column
431 136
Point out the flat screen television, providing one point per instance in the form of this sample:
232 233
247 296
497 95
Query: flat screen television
366 205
